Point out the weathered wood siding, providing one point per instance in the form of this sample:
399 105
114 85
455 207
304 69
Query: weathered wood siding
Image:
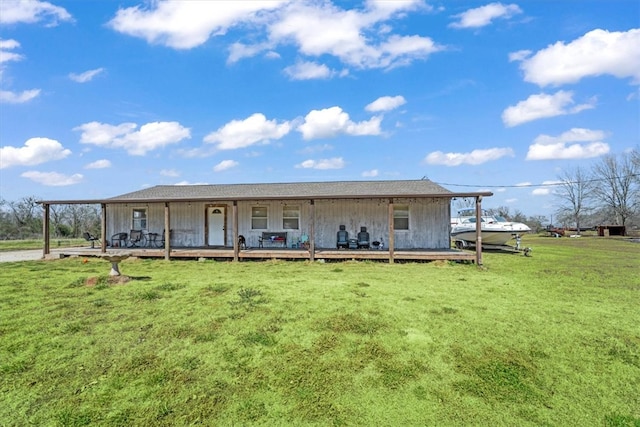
429 221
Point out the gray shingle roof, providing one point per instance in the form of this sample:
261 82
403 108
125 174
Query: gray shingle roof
288 191
298 190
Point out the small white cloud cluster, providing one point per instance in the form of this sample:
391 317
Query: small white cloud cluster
135 141
597 53
475 157
32 11
34 152
357 39
484 15
8 54
576 143
541 106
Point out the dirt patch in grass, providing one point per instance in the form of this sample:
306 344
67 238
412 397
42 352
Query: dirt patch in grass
111 280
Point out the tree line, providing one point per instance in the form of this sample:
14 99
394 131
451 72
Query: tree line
23 219
606 194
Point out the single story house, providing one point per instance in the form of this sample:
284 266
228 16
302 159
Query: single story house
301 217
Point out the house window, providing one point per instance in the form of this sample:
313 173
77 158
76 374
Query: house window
259 218
139 220
291 218
401 217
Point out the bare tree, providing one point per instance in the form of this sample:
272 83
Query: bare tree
574 193
502 211
617 185
26 214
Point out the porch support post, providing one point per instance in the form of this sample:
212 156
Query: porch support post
479 231
312 231
167 232
236 246
103 227
46 249
391 232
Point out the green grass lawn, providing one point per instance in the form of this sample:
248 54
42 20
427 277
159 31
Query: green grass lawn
552 339
19 245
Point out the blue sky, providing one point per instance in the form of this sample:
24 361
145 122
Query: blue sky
102 98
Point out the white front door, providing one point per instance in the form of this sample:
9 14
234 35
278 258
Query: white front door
217 227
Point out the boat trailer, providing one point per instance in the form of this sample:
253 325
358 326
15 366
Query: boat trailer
465 244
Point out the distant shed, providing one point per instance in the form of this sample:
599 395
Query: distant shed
612 230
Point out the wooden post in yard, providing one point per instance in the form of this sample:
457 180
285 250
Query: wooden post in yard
479 231
312 232
392 240
167 232
45 231
103 227
236 245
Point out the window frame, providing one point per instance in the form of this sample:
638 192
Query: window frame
255 218
397 209
140 223
296 218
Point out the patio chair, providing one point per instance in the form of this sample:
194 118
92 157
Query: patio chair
119 240
363 238
342 238
136 238
90 238
304 242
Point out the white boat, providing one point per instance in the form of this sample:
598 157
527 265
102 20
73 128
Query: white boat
494 230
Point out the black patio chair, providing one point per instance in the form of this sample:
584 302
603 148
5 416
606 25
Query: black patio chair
342 238
137 238
119 240
90 238
363 239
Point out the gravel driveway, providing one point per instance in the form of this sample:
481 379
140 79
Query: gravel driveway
29 255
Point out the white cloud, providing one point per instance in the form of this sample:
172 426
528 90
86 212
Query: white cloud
31 11
306 70
87 76
170 173
224 165
386 103
542 106
53 179
576 143
358 37
371 173
6 45
136 142
519 55
541 192
9 97
99 164
34 152
476 157
484 15
191 183
187 24
596 53
330 122
244 133
544 191
334 163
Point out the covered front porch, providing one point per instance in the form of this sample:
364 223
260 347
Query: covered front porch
231 254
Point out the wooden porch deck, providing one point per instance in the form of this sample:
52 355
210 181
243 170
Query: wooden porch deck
225 253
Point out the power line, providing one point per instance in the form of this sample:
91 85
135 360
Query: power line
549 184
